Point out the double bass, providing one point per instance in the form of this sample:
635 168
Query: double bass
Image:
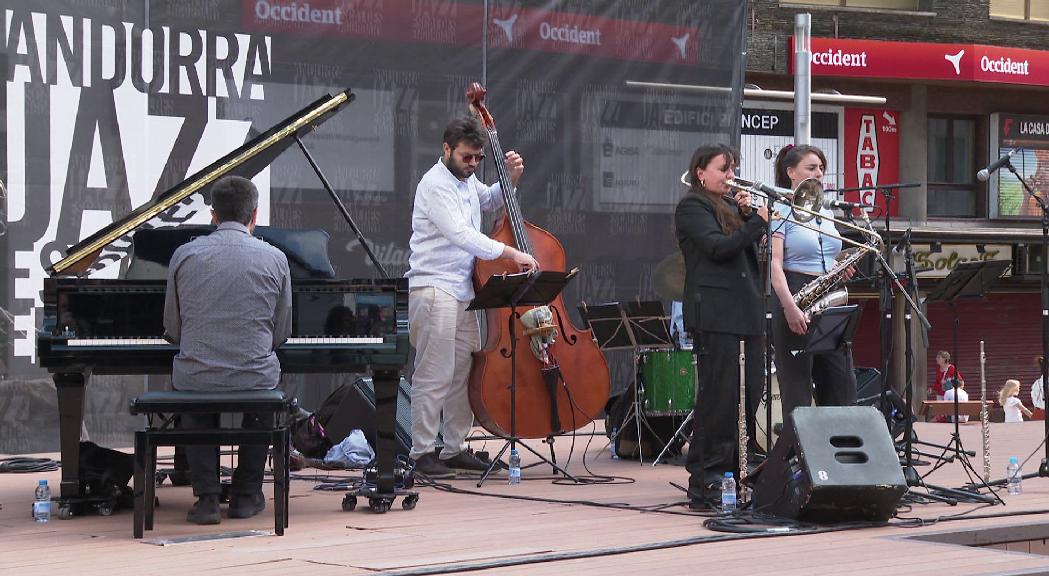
564 385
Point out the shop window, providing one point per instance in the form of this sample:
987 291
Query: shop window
952 177
882 4
1036 10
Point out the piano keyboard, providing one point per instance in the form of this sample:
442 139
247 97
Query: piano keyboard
336 340
118 342
309 341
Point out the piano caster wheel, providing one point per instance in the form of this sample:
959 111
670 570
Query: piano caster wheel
349 502
65 512
380 505
105 509
409 501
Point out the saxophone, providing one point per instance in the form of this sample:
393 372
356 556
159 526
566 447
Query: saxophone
827 290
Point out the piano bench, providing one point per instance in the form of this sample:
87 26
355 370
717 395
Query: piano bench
161 408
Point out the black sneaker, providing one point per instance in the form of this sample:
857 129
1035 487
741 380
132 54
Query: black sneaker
205 510
428 465
246 505
469 462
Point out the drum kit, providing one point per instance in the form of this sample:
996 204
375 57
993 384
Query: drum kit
664 386
668 380
665 379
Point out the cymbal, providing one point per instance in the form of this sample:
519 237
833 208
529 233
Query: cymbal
668 279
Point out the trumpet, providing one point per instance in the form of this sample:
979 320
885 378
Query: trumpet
805 202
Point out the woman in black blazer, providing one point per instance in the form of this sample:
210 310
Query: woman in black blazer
722 305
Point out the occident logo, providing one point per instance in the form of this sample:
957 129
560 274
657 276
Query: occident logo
295 12
840 57
570 34
1004 65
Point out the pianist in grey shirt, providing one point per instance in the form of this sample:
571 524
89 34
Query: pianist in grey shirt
228 307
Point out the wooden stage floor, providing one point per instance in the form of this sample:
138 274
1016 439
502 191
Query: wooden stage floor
548 529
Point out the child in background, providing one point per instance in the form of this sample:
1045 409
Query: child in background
963 396
1014 408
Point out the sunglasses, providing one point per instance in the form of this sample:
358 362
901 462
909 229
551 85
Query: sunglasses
470 157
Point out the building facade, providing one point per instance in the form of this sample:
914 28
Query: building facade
965 81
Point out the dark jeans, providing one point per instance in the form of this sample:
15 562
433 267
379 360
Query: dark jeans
714 448
204 460
801 375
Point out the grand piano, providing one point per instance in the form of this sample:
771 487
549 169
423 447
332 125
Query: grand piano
103 326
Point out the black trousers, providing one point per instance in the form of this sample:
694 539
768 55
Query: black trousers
714 448
801 375
204 460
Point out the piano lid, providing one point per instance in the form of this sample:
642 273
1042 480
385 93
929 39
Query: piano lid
245 161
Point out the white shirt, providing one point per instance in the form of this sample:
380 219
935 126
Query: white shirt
446 237
1012 410
1036 394
963 396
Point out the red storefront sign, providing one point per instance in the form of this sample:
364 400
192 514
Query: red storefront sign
444 22
925 61
872 157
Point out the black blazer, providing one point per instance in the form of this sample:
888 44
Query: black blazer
722 276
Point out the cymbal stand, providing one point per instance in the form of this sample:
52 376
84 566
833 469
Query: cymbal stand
641 327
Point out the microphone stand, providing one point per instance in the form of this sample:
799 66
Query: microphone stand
909 473
887 278
1043 469
885 307
766 309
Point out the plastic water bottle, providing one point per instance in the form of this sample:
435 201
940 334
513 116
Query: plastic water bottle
615 441
42 502
728 493
515 467
1015 476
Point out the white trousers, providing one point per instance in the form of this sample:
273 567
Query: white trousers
444 335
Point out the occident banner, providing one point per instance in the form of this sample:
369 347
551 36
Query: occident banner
926 61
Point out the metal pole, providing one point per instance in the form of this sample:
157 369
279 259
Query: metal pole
802 79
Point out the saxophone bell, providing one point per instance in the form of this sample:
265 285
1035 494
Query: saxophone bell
827 290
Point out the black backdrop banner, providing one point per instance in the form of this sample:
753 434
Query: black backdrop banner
108 103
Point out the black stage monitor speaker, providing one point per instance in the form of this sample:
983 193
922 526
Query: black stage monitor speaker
353 406
868 393
834 464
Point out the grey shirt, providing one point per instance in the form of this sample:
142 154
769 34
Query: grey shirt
228 307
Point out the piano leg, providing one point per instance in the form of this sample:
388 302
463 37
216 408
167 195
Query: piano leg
386 383
70 388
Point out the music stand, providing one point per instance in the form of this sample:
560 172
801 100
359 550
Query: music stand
636 325
968 280
511 291
833 328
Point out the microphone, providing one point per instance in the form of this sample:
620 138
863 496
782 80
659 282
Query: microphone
775 192
842 205
993 167
903 243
